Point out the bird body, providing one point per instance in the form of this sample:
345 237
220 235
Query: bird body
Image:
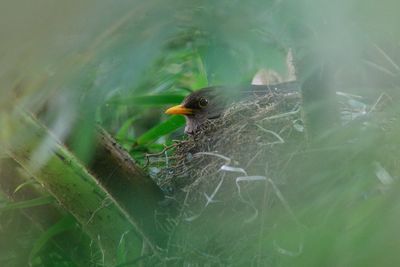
210 102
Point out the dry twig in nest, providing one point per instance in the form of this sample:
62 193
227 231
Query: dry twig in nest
227 175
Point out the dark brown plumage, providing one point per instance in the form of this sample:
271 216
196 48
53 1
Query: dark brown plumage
209 103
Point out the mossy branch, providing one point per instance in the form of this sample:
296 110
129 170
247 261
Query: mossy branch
75 188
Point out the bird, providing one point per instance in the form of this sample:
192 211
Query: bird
209 103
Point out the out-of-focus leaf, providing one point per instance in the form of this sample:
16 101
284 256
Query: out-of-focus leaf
121 251
92 206
149 100
62 225
28 203
166 127
200 78
123 131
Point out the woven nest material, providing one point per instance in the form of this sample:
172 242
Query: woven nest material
226 176
251 135
247 189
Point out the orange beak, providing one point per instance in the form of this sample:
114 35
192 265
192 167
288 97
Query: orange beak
179 109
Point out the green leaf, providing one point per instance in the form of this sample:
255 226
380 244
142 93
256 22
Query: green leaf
121 250
166 127
62 225
200 77
149 100
28 203
123 131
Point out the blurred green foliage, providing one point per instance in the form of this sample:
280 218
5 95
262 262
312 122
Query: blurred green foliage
120 64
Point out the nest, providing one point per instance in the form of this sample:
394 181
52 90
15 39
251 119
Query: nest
245 189
225 177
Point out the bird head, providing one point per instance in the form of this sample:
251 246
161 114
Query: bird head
200 106
209 103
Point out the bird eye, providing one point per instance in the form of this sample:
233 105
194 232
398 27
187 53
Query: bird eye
203 102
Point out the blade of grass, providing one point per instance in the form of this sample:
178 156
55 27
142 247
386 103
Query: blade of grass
74 187
62 225
123 131
122 250
148 100
28 203
166 127
40 218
